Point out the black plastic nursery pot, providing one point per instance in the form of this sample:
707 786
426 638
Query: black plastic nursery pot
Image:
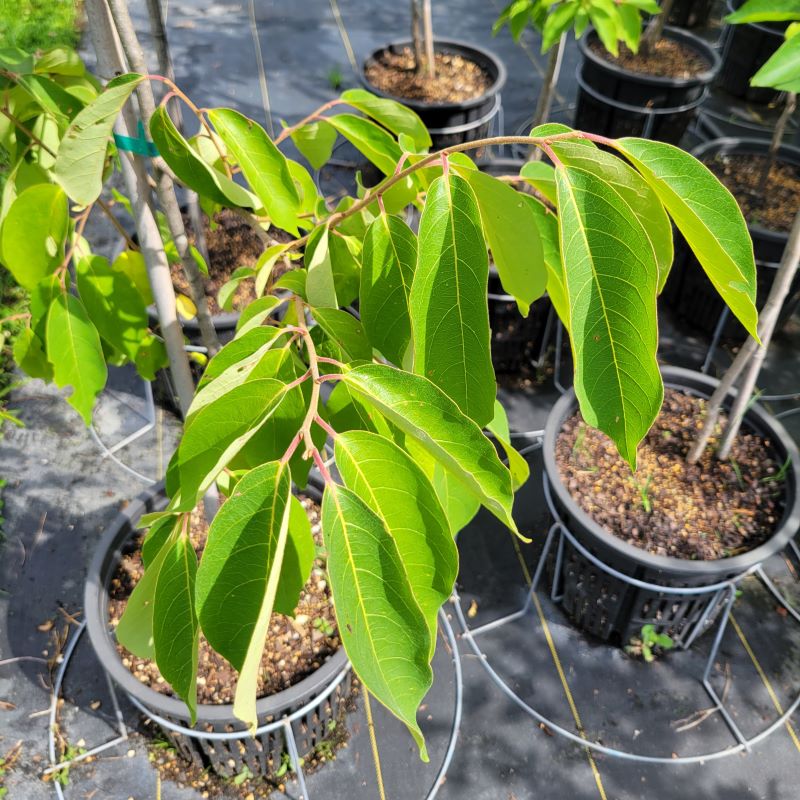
615 610
690 13
452 123
690 294
516 340
615 102
747 48
330 685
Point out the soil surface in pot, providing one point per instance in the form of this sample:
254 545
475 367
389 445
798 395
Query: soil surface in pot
774 208
231 244
457 78
668 59
295 647
704 511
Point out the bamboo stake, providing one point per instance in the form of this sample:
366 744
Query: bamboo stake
110 61
165 188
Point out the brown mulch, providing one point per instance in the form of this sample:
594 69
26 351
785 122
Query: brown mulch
295 647
704 511
457 78
231 243
773 209
668 59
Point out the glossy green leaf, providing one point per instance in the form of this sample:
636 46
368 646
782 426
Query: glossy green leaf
176 634
346 331
347 411
765 11
135 628
782 70
426 413
517 465
547 224
315 141
513 237
709 218
263 165
191 169
372 141
611 279
382 628
82 155
459 503
298 560
633 190
218 431
151 357
60 61
320 288
113 303
29 355
388 261
265 264
132 264
391 484
73 348
449 312
242 564
33 234
542 177
257 313
239 350
392 115
558 23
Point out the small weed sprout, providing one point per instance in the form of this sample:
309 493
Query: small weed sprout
648 641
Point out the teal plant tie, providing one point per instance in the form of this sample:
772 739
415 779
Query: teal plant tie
136 144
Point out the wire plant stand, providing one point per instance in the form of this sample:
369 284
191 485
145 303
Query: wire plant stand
283 726
720 601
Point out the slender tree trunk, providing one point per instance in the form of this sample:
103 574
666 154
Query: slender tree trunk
769 318
110 61
656 28
777 138
165 188
159 32
427 28
416 36
549 82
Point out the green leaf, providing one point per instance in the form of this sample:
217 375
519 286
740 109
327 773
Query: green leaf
298 560
159 534
315 141
547 224
630 26
135 628
611 278
263 165
60 61
113 303
219 430
51 97
346 331
372 141
265 264
320 287
634 191
386 478
517 465
82 155
238 578
191 169
782 70
510 229
709 218
765 11
558 23
254 314
426 413
346 411
73 348
151 357
382 628
176 633
294 281
541 176
33 234
388 261
391 114
238 351
449 312
30 357
132 264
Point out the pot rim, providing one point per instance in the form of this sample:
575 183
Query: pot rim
105 558
728 144
679 34
441 45
678 377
